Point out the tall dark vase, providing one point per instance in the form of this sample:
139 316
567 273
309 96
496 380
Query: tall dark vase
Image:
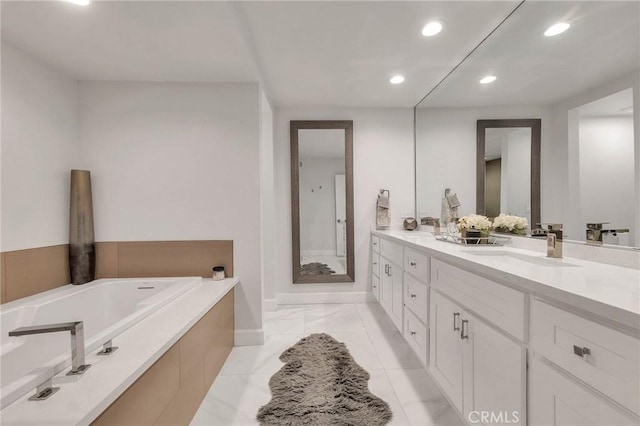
82 254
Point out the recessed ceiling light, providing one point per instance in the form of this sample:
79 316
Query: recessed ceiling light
431 28
488 79
79 2
396 79
556 29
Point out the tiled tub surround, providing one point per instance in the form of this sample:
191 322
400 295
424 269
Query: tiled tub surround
174 338
31 271
506 329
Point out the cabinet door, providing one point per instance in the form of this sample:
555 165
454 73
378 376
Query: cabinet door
558 400
375 286
445 354
494 372
385 285
397 300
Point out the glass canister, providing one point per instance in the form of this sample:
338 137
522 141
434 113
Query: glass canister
218 273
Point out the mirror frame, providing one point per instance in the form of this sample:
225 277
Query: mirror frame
535 124
347 125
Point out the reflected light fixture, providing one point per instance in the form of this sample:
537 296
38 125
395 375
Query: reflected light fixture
431 28
79 2
488 79
627 109
396 79
557 28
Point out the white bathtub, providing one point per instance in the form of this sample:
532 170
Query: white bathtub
107 307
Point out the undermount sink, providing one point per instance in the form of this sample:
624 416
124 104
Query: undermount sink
535 260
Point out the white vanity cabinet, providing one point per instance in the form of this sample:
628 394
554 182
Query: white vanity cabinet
391 280
416 302
375 267
481 369
557 399
571 350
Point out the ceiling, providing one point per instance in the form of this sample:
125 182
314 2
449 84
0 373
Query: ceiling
305 53
616 104
603 44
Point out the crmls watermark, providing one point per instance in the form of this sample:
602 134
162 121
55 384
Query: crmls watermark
488 417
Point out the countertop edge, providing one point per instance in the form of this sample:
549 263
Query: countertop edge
628 321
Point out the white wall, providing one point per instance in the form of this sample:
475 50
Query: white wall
383 158
518 179
267 204
606 171
180 161
40 145
446 154
318 203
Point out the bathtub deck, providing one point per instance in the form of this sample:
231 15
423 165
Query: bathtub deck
82 399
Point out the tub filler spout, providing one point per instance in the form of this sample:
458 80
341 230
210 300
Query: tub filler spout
77 341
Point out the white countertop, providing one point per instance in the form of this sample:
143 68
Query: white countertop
81 399
612 292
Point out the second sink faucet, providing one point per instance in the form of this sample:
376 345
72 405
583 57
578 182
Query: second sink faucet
77 341
554 240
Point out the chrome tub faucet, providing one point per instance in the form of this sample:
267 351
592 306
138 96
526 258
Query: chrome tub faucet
76 328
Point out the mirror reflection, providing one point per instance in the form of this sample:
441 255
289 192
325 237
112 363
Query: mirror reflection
507 159
322 201
323 216
581 83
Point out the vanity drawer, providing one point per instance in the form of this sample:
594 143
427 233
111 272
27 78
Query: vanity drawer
415 296
391 251
375 264
416 334
604 358
375 287
375 244
499 304
417 264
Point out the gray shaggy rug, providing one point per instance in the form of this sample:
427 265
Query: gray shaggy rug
316 268
321 384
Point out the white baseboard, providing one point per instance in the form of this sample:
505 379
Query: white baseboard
249 337
270 305
334 297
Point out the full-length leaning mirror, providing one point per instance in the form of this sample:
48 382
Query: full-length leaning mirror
508 168
322 201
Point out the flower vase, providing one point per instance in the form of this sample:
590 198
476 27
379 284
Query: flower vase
82 255
484 236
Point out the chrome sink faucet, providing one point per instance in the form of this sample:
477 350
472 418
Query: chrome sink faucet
554 240
594 233
77 341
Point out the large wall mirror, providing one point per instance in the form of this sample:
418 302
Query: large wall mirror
322 201
508 168
582 85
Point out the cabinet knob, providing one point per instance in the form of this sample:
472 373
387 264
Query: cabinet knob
375 286
413 333
413 296
464 333
412 263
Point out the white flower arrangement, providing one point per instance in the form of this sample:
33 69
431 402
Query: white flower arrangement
509 223
479 222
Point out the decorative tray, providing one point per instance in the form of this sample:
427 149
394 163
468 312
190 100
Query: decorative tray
492 240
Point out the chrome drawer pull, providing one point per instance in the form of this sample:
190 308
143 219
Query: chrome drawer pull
456 315
581 352
412 263
386 269
462 331
413 296
413 333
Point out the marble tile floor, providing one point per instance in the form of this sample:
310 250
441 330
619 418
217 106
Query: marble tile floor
242 386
